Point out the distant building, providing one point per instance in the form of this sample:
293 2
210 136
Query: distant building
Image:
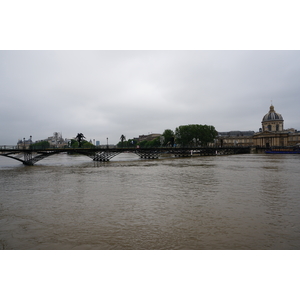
25 144
148 137
272 133
236 133
272 121
235 138
55 141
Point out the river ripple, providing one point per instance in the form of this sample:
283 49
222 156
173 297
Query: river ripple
218 202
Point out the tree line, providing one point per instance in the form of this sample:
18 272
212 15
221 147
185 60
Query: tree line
193 135
78 142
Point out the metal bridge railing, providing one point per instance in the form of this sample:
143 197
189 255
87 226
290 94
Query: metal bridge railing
7 147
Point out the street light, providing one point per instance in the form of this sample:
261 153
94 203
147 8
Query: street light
107 142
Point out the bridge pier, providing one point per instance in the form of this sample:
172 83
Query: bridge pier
104 156
149 155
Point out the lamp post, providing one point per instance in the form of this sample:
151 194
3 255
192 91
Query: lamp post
24 143
107 142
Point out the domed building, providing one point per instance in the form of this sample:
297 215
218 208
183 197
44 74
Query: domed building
271 134
272 121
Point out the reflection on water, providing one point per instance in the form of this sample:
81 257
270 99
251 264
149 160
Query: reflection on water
220 202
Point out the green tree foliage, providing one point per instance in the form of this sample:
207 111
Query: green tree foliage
150 144
40 145
122 138
195 135
87 144
80 138
168 137
127 144
74 144
186 135
84 144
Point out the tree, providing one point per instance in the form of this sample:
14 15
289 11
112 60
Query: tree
40 145
127 144
122 138
168 137
195 135
208 134
84 144
150 144
74 143
184 135
131 143
154 143
80 138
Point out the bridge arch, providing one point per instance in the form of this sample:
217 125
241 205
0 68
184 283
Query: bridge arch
29 157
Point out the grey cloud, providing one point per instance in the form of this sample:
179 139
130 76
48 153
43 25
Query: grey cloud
109 93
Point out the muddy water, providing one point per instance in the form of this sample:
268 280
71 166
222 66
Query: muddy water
220 202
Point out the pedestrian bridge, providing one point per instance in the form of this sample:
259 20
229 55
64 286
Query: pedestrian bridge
31 156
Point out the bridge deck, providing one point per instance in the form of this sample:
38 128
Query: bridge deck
31 156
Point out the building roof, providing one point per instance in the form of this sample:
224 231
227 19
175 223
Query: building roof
236 133
272 115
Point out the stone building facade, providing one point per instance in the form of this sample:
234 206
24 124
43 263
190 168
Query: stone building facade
235 138
271 134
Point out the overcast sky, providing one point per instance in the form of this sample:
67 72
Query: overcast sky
109 93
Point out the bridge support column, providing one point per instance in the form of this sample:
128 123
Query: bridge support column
28 159
104 156
148 155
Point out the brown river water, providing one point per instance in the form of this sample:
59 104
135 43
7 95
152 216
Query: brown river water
248 201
